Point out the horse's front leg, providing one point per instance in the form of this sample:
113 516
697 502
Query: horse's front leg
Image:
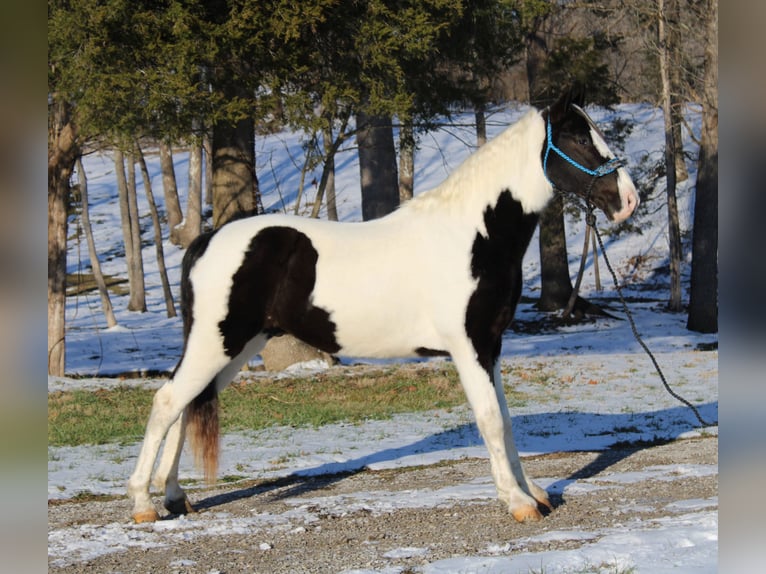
539 494
492 418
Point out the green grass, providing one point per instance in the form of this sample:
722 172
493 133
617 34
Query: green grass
119 415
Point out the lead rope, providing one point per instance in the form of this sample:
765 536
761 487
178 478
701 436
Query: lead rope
590 220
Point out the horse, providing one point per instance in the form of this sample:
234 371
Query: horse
441 275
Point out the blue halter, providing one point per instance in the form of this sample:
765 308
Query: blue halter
602 170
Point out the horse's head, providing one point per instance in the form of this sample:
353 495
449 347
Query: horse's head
577 160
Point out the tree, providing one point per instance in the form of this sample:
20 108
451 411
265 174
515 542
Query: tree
235 186
667 49
169 305
555 59
703 299
131 230
191 226
170 190
98 277
63 151
377 165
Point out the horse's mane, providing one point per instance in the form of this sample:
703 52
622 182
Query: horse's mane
510 161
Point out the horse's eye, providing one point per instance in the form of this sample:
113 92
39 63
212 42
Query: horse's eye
582 140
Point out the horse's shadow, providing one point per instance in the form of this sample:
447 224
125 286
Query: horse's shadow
629 434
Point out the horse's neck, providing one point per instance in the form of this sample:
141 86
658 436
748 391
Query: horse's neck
510 161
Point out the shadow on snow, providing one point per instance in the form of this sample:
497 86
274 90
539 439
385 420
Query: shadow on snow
616 436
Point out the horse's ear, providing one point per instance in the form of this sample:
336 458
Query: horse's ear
574 94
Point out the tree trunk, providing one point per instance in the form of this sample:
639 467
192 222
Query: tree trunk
207 148
95 264
132 251
481 126
536 56
234 183
169 305
556 284
328 169
63 150
307 160
329 150
192 224
676 102
170 191
674 233
137 300
377 165
406 162
703 298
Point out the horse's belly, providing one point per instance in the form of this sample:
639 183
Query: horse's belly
382 337
389 319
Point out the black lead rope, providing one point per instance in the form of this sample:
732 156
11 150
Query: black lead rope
590 220
608 167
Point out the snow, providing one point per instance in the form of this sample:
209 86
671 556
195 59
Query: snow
601 388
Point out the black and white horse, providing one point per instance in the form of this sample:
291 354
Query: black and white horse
441 275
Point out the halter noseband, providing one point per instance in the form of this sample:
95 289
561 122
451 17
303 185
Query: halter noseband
604 169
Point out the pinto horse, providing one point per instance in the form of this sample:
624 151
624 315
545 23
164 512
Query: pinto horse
439 276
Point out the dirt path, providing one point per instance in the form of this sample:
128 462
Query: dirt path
337 523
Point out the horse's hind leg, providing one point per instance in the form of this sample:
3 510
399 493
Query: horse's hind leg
198 366
166 476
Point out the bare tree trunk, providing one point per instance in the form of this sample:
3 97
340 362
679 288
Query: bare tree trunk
377 165
329 150
536 56
95 264
192 224
406 162
170 191
169 306
137 300
328 170
234 183
207 148
481 126
676 101
124 191
307 161
63 150
703 298
556 284
674 233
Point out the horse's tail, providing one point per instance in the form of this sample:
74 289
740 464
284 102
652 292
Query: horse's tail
203 429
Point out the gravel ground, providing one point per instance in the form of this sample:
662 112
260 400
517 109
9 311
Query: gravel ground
299 535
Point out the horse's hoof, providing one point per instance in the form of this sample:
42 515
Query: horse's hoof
179 506
146 516
544 501
527 513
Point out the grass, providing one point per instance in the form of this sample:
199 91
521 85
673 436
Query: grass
119 415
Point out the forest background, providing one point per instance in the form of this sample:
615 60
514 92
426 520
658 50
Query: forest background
212 77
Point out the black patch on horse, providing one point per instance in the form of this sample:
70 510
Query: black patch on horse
271 293
426 352
496 262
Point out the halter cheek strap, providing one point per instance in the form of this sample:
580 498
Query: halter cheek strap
602 170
